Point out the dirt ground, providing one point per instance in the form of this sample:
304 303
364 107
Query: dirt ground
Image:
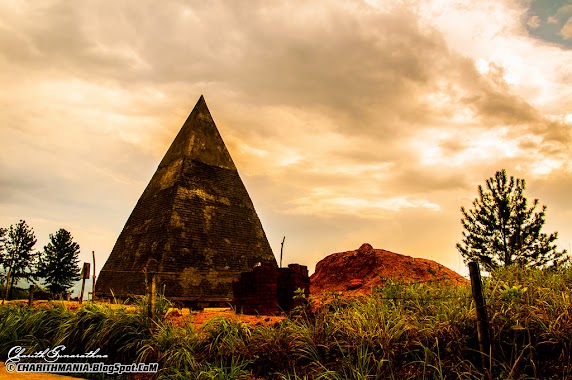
181 317
184 316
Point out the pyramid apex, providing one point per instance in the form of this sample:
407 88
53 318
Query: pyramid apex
201 104
199 140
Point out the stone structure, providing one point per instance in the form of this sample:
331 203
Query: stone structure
194 227
269 290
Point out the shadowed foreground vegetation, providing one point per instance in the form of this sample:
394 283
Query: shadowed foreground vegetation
415 331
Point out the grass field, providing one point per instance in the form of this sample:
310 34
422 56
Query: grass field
401 331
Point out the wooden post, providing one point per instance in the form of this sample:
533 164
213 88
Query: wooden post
80 298
31 295
7 286
482 317
93 283
84 276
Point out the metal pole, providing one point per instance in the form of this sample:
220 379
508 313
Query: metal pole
282 249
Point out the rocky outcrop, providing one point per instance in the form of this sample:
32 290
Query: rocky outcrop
358 271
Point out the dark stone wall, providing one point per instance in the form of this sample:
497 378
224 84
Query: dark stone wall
289 280
269 290
255 292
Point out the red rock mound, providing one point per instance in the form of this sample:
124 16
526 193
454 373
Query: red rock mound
356 272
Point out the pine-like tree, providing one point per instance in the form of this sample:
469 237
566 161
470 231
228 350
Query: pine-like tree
19 260
502 230
3 232
59 263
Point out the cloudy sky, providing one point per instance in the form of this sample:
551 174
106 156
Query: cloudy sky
349 121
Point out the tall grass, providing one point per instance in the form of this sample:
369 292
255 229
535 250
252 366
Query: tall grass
531 318
401 331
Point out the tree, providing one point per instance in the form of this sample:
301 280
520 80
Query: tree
19 260
59 264
502 230
2 249
3 232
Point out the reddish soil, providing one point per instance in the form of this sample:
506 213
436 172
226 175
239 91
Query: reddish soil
357 272
181 317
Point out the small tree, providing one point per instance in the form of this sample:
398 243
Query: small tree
501 229
2 249
19 260
59 264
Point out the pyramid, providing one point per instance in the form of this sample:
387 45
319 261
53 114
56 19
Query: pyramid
195 225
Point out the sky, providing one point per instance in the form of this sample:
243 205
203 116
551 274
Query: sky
349 121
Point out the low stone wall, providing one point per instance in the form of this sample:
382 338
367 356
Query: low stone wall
269 290
289 280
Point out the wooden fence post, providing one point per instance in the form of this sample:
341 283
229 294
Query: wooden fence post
93 283
7 286
482 317
31 295
84 276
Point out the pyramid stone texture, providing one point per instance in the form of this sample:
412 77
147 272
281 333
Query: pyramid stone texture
195 224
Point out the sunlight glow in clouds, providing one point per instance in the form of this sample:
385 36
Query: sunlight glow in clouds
475 146
349 121
324 202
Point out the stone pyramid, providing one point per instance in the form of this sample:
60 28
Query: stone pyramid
194 225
